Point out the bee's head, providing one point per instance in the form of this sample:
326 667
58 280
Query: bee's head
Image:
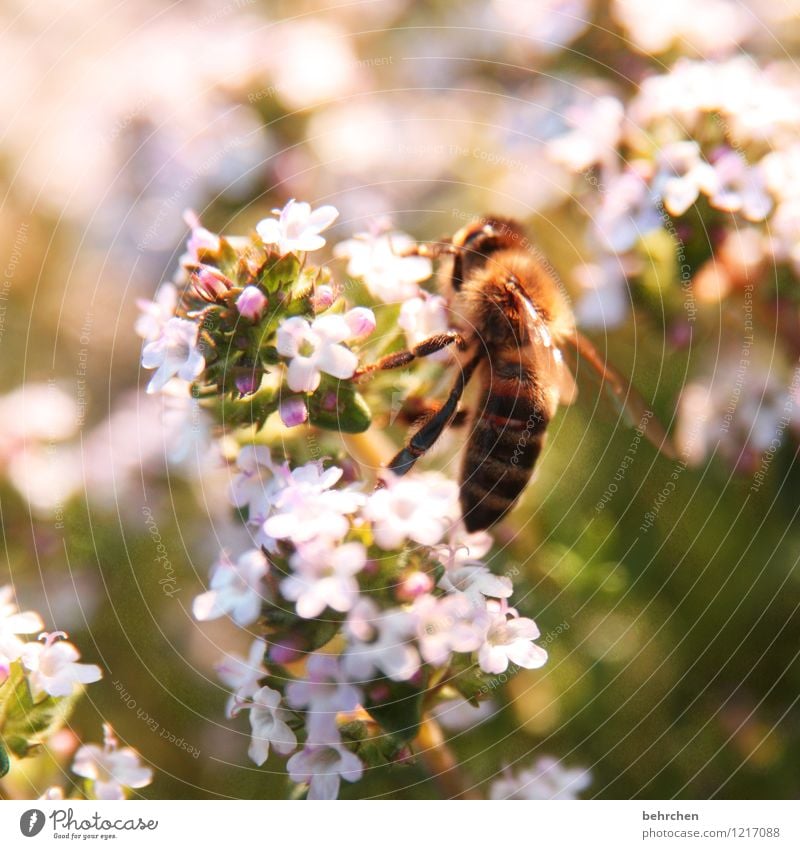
478 240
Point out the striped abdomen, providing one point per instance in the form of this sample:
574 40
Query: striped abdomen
506 440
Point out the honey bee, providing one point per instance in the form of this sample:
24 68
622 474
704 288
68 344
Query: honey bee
511 322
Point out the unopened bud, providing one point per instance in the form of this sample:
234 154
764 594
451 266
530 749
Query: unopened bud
361 321
251 303
209 283
293 412
324 296
414 584
248 382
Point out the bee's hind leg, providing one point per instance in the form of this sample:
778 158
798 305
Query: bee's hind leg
416 411
424 438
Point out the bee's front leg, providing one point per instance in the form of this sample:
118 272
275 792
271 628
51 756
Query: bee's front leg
424 349
430 250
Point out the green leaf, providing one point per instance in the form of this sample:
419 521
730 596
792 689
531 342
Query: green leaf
253 410
467 678
5 763
227 259
280 273
27 724
336 405
399 712
380 751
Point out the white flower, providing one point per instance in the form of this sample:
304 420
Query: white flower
510 639
323 576
200 239
755 104
257 482
712 27
53 668
462 547
785 231
13 623
315 348
322 766
781 169
709 421
297 228
546 779
683 174
242 675
740 188
423 317
378 260
35 412
476 581
597 131
627 210
110 768
53 794
380 641
156 313
451 623
268 726
237 589
175 352
307 506
548 25
458 714
187 426
322 695
605 299
421 508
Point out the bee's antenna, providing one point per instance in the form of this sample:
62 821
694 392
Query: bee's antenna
431 250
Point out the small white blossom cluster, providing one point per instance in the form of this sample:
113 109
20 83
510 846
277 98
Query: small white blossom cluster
546 779
326 543
690 187
108 770
719 131
38 677
50 663
384 261
356 598
193 329
746 425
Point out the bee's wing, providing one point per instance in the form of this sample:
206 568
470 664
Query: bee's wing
633 406
549 360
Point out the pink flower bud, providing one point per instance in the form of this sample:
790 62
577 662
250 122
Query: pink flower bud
324 296
379 693
403 756
293 412
248 382
413 585
330 402
286 650
200 238
417 679
251 303
209 283
361 321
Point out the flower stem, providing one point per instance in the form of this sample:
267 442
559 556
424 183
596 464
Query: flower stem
441 762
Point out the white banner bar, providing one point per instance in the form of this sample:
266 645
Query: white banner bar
389 824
